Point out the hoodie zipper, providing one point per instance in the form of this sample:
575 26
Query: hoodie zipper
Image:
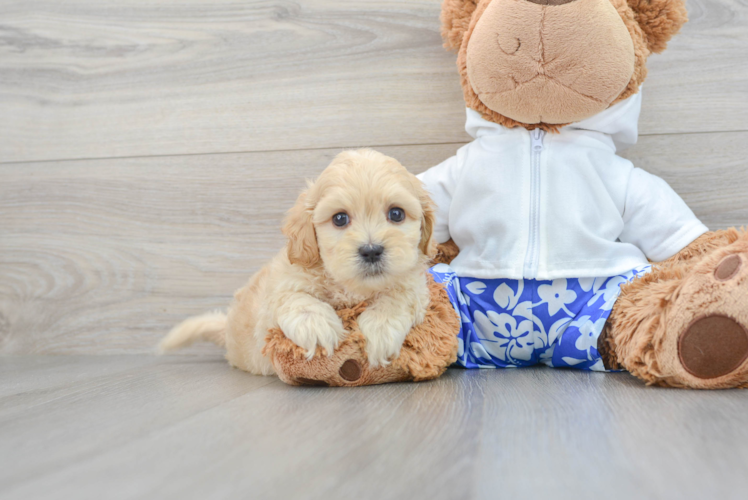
532 255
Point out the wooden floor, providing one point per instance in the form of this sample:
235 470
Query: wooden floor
148 151
122 427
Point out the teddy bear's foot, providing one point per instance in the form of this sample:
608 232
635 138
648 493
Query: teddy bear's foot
350 372
713 346
710 315
687 326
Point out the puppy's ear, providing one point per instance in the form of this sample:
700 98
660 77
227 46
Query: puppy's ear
427 245
455 17
659 20
302 239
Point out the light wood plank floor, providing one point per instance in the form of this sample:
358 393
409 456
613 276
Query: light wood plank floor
122 427
148 151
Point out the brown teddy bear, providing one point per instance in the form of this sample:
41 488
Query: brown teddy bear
548 232
552 90
429 349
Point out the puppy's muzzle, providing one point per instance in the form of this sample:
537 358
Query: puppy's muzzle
371 254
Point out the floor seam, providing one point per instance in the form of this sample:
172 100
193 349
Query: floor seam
292 150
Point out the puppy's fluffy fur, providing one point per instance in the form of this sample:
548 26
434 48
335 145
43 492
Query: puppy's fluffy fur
322 268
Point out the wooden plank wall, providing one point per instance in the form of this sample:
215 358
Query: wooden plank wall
148 150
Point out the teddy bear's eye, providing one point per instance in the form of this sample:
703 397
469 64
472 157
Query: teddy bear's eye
396 214
340 219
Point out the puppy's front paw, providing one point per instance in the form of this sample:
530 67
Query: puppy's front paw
313 326
384 336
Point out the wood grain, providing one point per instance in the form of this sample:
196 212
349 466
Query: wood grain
104 256
141 392
84 79
193 428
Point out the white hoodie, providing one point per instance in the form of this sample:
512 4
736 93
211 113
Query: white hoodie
532 205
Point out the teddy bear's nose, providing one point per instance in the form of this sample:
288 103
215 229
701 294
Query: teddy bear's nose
550 2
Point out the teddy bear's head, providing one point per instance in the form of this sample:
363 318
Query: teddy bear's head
547 63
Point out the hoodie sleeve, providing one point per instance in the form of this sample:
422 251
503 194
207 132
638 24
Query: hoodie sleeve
656 219
440 182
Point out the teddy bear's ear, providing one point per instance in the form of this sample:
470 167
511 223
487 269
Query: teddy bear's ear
659 20
455 19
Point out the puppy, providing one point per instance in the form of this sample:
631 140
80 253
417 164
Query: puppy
361 231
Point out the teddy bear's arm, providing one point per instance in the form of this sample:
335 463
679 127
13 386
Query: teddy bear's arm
440 182
656 219
446 252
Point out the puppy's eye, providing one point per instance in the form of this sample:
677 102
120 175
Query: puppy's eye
340 219
396 214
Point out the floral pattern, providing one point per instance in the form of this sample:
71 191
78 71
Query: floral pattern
513 323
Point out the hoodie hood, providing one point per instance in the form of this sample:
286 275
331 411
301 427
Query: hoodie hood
619 123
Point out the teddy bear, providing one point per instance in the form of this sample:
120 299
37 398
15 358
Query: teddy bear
553 249
569 255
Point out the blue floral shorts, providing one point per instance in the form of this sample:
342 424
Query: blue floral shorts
513 323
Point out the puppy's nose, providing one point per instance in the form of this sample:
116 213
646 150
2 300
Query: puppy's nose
371 253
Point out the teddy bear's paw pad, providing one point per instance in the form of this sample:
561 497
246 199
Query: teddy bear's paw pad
713 346
351 370
311 381
728 268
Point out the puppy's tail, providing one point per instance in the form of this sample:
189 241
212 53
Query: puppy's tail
210 326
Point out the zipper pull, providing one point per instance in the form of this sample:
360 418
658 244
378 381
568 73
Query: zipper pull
537 140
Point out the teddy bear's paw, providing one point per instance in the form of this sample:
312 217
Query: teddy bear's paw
710 321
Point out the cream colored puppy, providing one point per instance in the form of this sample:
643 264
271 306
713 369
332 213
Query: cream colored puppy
361 231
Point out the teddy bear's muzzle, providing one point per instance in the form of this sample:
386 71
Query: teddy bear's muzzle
549 61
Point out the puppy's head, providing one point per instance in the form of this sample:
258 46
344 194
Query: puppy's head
366 219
